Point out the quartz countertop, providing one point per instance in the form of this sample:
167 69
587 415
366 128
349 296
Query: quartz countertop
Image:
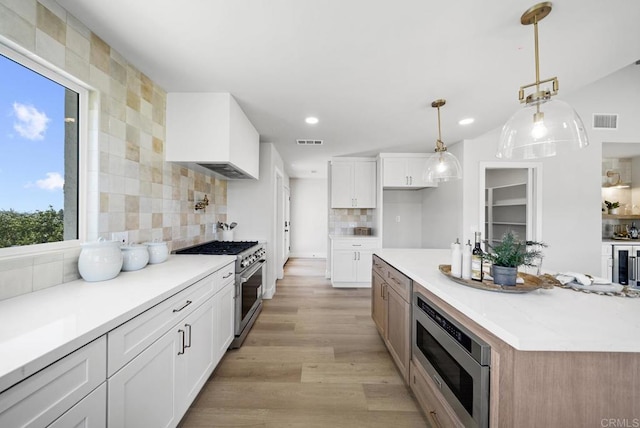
543 320
336 237
36 329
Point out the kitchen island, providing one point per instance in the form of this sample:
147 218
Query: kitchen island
558 357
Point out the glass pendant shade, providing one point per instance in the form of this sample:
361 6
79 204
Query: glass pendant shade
535 131
442 166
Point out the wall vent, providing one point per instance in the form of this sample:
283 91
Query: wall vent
310 142
605 121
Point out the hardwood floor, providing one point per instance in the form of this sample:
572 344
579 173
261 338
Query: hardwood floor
313 359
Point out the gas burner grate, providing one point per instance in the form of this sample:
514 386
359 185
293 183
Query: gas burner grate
219 248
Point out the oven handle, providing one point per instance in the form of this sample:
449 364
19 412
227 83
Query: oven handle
244 277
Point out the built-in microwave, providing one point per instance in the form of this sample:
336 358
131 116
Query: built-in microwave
457 360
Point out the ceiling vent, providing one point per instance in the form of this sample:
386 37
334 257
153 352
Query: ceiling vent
605 121
310 142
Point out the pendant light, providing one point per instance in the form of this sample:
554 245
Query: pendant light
442 165
535 130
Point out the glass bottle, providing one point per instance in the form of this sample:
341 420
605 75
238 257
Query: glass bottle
476 260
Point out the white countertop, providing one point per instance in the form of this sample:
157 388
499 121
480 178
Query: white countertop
38 328
542 320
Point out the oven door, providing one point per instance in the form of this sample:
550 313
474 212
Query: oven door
248 294
463 382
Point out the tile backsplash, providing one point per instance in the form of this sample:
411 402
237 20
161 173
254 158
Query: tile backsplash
137 191
342 221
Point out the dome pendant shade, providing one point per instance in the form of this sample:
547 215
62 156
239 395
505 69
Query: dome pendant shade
530 135
534 131
442 166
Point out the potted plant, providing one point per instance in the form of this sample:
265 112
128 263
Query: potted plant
612 207
510 253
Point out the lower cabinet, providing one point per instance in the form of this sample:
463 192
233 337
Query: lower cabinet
391 312
156 387
351 261
59 391
91 412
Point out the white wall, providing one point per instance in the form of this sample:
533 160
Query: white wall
442 208
309 207
251 203
402 218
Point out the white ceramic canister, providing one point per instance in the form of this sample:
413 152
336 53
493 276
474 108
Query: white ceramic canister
100 260
134 257
158 251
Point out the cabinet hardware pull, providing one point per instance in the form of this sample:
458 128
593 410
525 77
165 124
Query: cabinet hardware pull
183 306
437 381
188 327
358 255
227 275
181 331
356 245
411 180
632 268
434 418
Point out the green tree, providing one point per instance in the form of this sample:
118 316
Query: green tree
19 228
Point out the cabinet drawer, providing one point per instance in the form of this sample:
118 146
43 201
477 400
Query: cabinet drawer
438 413
224 276
399 282
91 412
380 267
132 337
42 398
356 244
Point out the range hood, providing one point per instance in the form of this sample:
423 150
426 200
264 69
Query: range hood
209 130
226 170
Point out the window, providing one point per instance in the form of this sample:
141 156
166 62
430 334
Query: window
39 153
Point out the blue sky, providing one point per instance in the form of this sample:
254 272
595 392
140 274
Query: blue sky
31 139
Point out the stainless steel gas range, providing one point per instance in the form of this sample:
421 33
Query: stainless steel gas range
250 277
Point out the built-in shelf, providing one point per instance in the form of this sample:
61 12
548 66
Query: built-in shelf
620 216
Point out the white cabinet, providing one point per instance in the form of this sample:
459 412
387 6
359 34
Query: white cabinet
351 261
44 397
404 172
606 266
156 373
210 129
90 412
353 184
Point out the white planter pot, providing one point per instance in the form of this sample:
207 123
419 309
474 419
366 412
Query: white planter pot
100 260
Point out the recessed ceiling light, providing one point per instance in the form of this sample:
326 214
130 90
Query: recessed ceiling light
467 121
311 120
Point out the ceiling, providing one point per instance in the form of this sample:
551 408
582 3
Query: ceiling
367 69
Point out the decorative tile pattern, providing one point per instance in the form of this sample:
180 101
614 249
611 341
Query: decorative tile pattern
137 191
342 221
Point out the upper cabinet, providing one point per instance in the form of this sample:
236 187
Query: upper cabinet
353 183
211 130
404 171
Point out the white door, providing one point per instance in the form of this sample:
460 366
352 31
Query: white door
343 266
395 172
287 224
223 329
364 184
342 185
415 169
364 265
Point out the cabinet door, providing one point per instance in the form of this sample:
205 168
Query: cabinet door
143 392
397 332
364 184
378 303
197 363
343 266
364 265
394 172
90 412
223 329
415 170
342 185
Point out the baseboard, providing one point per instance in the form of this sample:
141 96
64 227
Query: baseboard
307 255
269 292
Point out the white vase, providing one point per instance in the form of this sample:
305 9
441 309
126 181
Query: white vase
158 252
614 211
227 235
100 260
134 257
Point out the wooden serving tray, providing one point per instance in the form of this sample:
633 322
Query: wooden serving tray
531 282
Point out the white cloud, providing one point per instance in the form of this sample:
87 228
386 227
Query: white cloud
54 181
31 123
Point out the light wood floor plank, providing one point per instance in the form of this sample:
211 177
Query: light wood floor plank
313 359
